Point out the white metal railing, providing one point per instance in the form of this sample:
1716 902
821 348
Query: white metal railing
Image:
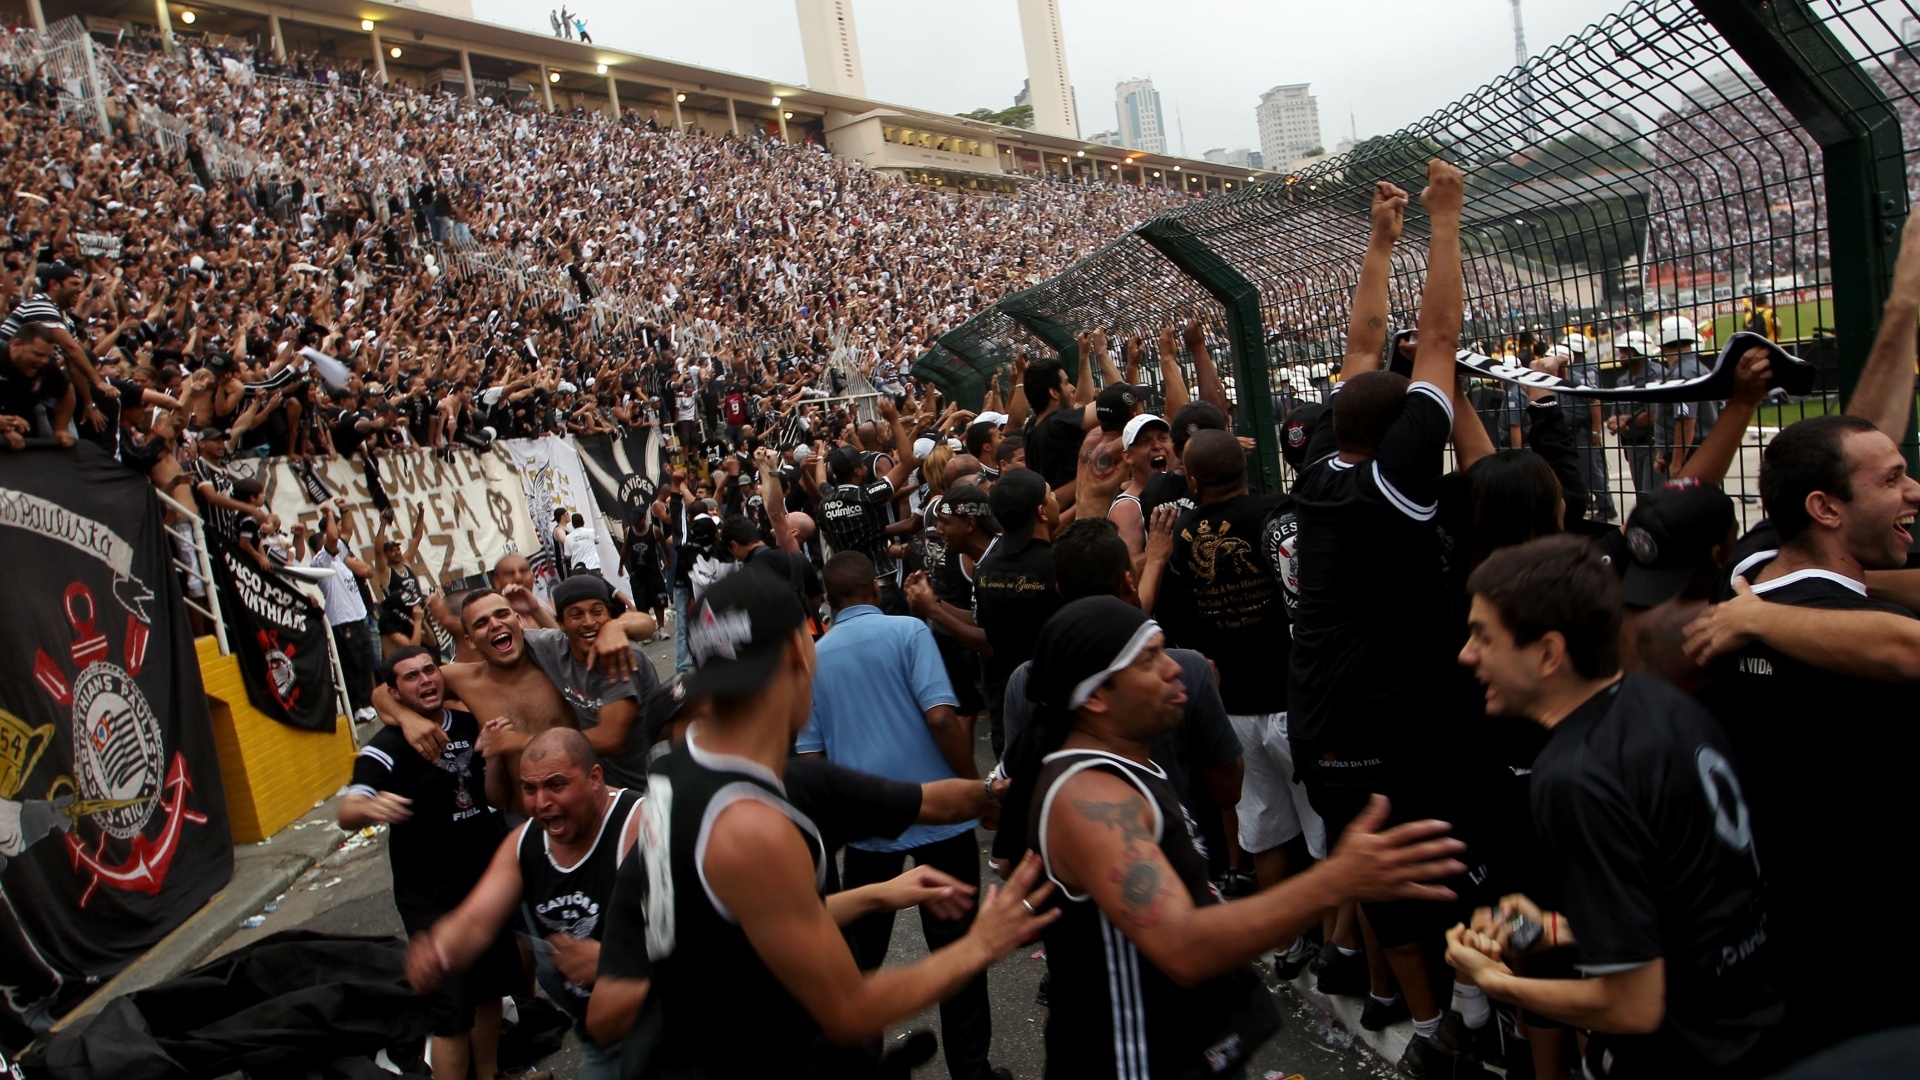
201 567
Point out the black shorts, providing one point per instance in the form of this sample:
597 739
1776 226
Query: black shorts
963 672
1339 784
494 975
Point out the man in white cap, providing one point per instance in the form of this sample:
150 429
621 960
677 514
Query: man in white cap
1633 421
1147 442
1681 426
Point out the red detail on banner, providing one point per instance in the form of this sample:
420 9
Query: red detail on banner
136 645
51 678
145 868
89 645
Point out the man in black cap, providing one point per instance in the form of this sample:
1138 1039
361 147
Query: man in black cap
1150 969
606 705
737 931
213 485
1669 556
856 509
1013 585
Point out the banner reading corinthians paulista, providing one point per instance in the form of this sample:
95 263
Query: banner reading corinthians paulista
1788 374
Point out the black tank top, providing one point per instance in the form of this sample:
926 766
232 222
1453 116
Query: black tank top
723 1013
1112 1013
403 580
573 900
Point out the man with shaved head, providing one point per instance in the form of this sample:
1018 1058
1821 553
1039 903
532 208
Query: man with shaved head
560 866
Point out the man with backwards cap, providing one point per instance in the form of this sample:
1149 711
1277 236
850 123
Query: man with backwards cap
739 938
1149 967
607 705
560 868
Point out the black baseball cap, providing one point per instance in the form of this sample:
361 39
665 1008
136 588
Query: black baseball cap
1195 416
1018 499
968 501
738 630
206 433
1671 534
57 271
1296 430
842 460
1117 404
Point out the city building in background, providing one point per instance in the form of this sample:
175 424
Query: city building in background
1289 122
1243 157
1106 138
831 47
1142 126
1049 89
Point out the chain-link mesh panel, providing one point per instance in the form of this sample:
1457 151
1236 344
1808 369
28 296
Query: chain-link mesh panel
1637 179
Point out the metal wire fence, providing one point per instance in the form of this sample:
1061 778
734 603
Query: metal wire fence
1639 171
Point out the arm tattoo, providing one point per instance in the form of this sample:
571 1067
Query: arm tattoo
1376 323
1124 816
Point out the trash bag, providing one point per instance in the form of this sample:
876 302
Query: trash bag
294 1004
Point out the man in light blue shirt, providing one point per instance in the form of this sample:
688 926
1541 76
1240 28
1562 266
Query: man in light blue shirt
882 704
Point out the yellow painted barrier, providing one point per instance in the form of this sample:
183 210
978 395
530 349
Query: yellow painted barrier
273 773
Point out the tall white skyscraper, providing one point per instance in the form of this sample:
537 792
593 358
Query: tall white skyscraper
831 47
1142 126
1289 122
1052 92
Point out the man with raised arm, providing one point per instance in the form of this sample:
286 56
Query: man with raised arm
1150 969
737 931
1371 641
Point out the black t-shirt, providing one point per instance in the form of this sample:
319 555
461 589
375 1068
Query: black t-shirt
1162 488
439 853
19 394
1224 597
1827 761
1053 446
1642 813
1013 596
1372 637
853 517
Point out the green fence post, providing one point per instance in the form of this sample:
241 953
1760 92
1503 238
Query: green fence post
1245 332
1838 103
1025 308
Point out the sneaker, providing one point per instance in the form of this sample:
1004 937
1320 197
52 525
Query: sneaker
1343 974
1480 1044
1424 1060
365 716
1377 1017
1288 965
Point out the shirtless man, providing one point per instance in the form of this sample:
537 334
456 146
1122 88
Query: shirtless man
507 686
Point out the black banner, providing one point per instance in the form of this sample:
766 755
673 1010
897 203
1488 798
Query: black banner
624 470
1787 374
113 824
280 637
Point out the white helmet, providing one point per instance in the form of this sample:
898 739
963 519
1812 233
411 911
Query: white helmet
1575 344
1677 328
1636 340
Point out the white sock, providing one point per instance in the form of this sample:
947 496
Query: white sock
1344 951
1471 1003
1299 943
1429 1028
1383 1000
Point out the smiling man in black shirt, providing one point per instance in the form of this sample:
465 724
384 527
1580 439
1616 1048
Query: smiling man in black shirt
1650 843
443 835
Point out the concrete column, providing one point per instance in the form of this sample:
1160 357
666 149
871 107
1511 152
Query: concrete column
613 95
733 119
780 114
546 88
379 54
273 31
673 93
164 20
466 72
36 16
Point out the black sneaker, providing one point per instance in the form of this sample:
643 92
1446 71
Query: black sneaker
1424 1060
1040 992
1343 974
1288 965
1377 1017
1480 1044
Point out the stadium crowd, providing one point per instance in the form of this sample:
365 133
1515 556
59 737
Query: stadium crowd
1425 729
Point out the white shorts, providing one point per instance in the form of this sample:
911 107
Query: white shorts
1273 805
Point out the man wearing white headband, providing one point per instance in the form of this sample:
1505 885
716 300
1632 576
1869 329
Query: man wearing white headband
1150 968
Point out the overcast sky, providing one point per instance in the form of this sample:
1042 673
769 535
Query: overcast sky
1383 63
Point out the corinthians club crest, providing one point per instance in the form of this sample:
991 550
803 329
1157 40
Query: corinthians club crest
123 776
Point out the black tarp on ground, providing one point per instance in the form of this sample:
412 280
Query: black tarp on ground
290 1005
